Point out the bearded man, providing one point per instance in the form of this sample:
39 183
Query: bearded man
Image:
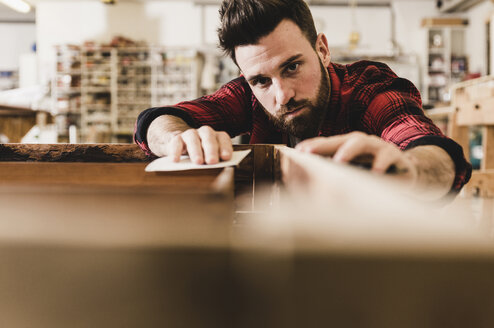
290 92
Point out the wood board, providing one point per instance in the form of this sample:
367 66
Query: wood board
321 252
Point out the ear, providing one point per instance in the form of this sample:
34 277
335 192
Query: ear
322 49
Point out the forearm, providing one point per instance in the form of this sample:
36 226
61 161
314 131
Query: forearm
161 130
434 171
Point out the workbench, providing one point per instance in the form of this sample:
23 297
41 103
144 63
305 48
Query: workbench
16 121
88 239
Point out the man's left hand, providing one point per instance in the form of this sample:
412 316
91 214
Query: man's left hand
428 167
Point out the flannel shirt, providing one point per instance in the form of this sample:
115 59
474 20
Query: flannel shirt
365 96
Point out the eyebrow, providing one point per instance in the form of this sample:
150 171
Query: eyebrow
283 65
290 60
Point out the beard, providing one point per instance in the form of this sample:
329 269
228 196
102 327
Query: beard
307 123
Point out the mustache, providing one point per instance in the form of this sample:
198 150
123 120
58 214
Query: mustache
292 105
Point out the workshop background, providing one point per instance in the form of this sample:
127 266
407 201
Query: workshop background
88 238
81 71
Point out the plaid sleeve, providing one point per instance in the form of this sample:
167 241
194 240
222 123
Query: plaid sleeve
229 109
396 115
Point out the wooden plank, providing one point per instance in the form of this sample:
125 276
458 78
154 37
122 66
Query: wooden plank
17 109
103 174
487 147
336 226
152 250
432 22
311 174
439 113
478 112
481 184
81 152
46 286
319 176
95 216
473 100
16 127
114 229
112 153
337 291
72 153
15 121
460 134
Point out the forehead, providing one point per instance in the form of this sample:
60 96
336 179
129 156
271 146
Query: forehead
285 41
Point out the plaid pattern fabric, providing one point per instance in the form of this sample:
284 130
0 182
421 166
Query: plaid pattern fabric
365 96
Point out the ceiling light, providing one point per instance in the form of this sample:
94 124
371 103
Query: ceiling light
18 5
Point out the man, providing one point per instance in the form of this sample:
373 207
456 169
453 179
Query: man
290 92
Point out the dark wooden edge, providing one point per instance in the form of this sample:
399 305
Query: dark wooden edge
126 153
260 158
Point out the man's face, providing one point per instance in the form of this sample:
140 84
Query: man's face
289 78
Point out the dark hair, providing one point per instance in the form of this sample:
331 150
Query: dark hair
244 22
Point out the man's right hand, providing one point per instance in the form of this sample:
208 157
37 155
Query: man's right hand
170 136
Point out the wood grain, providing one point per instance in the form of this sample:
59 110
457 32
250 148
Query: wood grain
103 174
72 153
487 147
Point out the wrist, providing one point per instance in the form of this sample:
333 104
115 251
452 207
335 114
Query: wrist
432 172
412 171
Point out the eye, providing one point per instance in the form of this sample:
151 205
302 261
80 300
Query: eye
293 67
261 81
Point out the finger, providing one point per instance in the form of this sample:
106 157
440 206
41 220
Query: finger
355 146
225 146
322 145
193 144
394 161
209 144
175 148
384 159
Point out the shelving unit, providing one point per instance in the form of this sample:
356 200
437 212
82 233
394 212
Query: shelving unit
175 77
133 91
66 88
217 70
446 61
9 79
101 90
96 94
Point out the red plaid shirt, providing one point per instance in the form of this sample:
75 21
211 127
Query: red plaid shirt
365 96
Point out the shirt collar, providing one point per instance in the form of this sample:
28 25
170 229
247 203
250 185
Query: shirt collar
335 85
334 98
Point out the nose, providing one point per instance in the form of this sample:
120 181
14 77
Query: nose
284 92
